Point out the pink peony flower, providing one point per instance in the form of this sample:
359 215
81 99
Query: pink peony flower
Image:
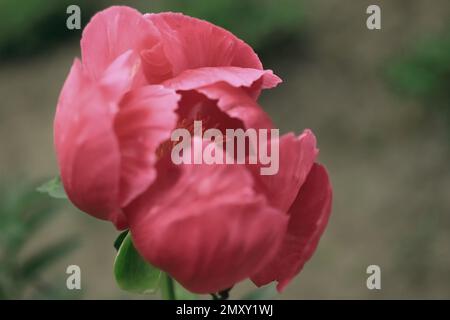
209 226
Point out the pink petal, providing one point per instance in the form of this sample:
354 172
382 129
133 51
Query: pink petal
120 75
308 218
236 103
296 157
156 65
196 106
110 33
234 76
208 229
86 147
191 43
146 118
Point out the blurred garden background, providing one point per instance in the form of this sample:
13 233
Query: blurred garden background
378 102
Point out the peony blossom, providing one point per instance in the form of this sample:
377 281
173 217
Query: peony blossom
209 226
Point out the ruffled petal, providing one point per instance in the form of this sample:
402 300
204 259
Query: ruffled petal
190 43
156 64
308 218
208 229
234 76
236 103
296 158
110 33
86 147
146 118
196 106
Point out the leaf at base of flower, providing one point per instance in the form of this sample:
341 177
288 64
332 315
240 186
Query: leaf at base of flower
119 239
54 188
132 272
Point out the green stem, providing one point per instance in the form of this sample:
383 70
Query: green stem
168 288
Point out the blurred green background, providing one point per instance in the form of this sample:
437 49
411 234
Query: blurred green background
378 102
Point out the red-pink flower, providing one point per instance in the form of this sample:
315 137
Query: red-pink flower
208 226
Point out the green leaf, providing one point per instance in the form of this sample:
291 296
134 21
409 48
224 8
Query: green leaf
132 272
119 239
54 188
